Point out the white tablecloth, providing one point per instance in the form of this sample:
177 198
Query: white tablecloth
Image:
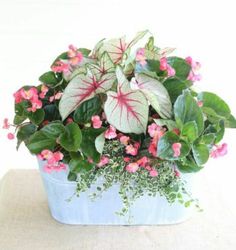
25 223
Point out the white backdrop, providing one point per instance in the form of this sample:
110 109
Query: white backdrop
32 33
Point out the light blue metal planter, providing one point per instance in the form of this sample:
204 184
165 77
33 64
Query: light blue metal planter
82 211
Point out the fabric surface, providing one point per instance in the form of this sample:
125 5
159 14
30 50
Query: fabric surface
25 223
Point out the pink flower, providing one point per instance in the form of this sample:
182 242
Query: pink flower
74 55
170 70
104 161
220 150
58 156
153 173
96 121
36 104
131 150
176 131
29 94
127 159
124 139
44 90
6 124
143 161
154 129
132 167
10 136
200 104
46 154
110 133
60 67
140 57
57 96
195 66
69 120
17 96
152 149
176 147
163 64
177 173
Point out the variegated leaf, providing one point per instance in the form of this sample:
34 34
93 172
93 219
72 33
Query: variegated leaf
82 88
126 109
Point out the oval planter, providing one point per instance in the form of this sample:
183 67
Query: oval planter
70 209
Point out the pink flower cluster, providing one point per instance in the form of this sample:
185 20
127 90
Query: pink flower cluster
164 66
75 57
140 57
57 96
103 161
219 150
195 66
141 163
110 133
30 95
53 160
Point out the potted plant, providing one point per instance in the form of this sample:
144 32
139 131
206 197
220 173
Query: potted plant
120 125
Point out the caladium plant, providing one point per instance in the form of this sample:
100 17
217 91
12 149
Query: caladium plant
125 110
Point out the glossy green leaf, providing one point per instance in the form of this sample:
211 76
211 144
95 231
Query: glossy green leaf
188 166
164 148
71 138
49 78
36 117
24 133
200 153
175 87
182 68
190 131
87 146
78 166
187 110
45 138
213 105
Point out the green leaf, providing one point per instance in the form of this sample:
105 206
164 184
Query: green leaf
187 110
24 133
175 87
45 138
190 130
188 167
51 112
200 153
19 119
49 78
36 117
126 109
208 139
99 143
87 146
155 93
87 109
72 176
213 105
78 166
182 68
165 143
230 122
71 138
84 51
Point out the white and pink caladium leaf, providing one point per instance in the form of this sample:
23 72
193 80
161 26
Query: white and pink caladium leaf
117 47
104 66
155 93
126 109
81 88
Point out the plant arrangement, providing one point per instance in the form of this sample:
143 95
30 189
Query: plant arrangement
125 112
